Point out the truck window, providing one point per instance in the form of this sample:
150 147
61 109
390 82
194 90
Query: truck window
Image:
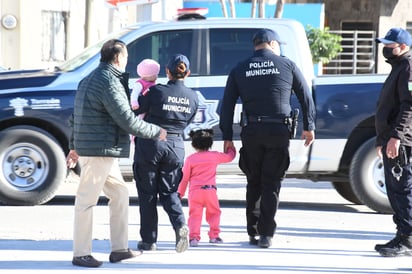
88 53
160 46
228 47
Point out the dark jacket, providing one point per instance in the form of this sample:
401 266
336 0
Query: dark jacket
264 83
172 106
103 119
394 111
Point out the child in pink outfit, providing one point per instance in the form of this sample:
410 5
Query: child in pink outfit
199 171
148 71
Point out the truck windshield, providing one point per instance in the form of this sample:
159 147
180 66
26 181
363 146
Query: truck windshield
89 52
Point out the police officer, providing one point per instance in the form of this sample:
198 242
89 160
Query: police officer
264 83
393 122
158 165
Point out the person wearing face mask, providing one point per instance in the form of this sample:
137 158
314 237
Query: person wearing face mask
393 122
264 82
101 124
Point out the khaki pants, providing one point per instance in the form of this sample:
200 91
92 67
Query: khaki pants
97 174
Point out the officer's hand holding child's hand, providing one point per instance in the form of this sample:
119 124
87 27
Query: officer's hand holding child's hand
228 145
308 136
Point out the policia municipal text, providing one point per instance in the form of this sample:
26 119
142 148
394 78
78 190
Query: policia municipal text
264 83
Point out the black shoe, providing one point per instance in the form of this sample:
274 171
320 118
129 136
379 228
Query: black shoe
253 240
146 246
392 243
116 256
402 248
86 261
182 240
265 241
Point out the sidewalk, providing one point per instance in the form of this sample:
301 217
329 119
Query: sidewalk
318 232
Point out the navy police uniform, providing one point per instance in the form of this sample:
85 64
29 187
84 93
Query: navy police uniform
264 83
393 120
158 164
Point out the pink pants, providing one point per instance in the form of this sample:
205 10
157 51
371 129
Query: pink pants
199 199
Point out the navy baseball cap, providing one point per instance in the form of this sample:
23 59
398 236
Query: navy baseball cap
396 35
175 60
266 36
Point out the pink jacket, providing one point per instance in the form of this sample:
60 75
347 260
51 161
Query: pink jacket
143 89
200 169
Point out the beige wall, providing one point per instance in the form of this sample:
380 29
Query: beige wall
393 15
10 39
355 11
20 48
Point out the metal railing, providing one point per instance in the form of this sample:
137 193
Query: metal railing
357 56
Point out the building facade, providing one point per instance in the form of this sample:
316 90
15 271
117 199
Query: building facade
369 15
43 33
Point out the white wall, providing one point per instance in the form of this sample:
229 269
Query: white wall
9 38
20 48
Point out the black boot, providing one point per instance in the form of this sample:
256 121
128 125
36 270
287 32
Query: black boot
264 241
392 243
403 248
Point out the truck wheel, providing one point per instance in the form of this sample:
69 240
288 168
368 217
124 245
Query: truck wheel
345 190
367 178
32 166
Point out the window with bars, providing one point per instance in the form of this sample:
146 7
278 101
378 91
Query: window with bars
358 50
53 36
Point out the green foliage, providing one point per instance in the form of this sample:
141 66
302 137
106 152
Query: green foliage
324 45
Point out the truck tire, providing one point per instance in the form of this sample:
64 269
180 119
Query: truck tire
345 190
32 166
367 178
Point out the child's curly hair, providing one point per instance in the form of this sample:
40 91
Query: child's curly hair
202 139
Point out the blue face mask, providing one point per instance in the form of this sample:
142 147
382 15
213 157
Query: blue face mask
388 53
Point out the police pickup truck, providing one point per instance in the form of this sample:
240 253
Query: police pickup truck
35 106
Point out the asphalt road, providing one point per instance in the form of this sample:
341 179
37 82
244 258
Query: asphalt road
318 232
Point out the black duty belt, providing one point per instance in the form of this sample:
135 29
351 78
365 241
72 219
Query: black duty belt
268 119
208 187
174 134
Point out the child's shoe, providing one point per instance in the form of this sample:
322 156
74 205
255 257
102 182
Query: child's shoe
217 240
194 242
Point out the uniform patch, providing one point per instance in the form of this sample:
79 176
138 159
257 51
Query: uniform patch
206 116
410 86
262 68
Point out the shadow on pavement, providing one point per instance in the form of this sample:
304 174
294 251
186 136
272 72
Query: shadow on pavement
286 205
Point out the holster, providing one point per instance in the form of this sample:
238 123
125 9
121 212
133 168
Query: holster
403 157
243 119
293 123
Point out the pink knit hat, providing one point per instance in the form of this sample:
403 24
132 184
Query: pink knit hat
147 68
